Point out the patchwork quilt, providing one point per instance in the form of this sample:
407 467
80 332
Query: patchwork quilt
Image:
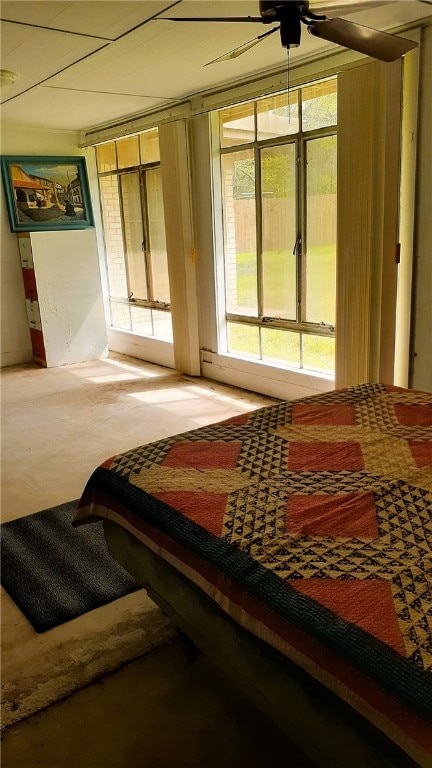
309 523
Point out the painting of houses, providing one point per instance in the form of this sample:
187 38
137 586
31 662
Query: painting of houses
45 193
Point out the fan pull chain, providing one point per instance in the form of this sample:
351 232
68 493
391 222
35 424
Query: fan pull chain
288 84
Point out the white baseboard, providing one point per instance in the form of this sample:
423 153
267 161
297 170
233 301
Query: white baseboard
16 358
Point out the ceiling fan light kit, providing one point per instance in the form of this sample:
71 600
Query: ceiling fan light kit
291 14
7 79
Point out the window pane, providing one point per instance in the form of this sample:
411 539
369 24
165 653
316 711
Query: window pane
238 189
319 353
278 180
280 346
112 224
243 339
319 105
276 116
162 324
106 157
321 218
141 320
120 316
149 146
156 229
151 322
237 125
133 234
127 152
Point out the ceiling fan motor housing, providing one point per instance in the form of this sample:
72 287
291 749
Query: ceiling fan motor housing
288 14
276 10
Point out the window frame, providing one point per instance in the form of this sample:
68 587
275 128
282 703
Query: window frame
141 169
300 139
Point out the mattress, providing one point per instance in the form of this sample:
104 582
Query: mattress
309 523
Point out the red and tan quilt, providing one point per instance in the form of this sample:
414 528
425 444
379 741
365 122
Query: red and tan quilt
309 523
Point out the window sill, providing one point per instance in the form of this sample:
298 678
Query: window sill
142 347
257 376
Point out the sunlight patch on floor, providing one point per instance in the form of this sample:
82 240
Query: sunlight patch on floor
158 396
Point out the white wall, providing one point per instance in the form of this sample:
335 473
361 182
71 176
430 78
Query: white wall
15 345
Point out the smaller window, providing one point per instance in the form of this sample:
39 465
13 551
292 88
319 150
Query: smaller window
149 146
319 105
244 340
162 325
141 321
237 125
106 157
277 116
128 152
281 347
120 315
319 353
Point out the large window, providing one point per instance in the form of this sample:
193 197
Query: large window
134 228
278 171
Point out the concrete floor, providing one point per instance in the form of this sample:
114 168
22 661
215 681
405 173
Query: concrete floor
160 711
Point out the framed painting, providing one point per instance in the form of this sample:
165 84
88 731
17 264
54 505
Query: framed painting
46 193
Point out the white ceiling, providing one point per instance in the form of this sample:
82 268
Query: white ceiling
84 63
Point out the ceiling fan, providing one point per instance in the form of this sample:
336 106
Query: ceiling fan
291 14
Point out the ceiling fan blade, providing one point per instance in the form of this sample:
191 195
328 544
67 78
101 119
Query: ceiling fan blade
379 45
242 19
242 48
330 9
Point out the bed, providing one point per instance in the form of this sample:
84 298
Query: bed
293 543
